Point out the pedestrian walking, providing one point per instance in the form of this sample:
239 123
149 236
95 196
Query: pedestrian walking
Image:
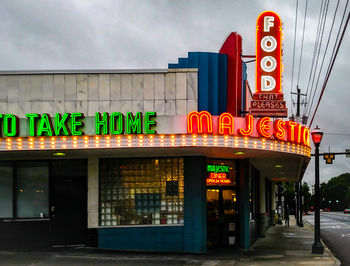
286 215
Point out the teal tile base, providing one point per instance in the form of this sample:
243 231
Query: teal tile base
149 238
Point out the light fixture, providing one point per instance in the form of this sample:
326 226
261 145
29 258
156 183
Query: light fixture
317 135
239 153
59 154
278 166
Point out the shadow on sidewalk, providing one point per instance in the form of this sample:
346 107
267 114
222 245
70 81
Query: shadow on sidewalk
291 245
281 245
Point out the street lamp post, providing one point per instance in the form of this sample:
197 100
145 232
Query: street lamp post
317 247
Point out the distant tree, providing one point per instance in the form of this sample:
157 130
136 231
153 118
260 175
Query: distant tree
305 190
336 193
348 198
289 196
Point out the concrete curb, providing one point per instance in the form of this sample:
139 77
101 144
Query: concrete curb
336 260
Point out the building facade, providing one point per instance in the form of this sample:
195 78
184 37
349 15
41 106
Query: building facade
155 160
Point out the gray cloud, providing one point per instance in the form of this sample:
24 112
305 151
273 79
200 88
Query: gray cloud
47 34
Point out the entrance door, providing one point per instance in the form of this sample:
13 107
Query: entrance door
221 217
68 204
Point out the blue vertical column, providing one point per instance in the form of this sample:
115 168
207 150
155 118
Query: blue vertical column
212 79
195 224
243 206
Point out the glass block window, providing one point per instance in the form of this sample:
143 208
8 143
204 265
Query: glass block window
146 191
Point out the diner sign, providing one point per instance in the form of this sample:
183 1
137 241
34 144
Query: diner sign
218 174
268 97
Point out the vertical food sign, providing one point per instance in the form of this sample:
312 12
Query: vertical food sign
268 97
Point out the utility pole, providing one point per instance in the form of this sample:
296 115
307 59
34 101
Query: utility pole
298 93
298 186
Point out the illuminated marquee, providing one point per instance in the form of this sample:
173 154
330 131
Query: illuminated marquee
204 123
268 97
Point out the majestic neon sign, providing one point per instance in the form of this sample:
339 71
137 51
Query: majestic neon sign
203 122
218 168
218 174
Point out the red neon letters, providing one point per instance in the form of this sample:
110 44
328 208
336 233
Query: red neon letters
202 122
264 127
306 136
268 53
249 130
226 124
291 130
280 130
218 178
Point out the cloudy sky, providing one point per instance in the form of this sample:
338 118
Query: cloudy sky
95 34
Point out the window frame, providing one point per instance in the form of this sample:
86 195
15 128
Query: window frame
15 164
9 164
136 225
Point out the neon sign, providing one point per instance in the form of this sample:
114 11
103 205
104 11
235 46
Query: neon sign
117 123
218 168
264 127
268 53
72 124
220 178
268 97
199 122
218 174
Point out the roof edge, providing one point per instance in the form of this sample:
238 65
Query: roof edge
82 71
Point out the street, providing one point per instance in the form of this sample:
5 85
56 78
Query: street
335 232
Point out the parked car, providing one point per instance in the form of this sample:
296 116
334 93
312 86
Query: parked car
327 210
347 211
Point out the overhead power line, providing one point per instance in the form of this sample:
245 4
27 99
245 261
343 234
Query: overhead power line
324 56
295 33
318 51
316 45
337 134
302 42
330 68
338 34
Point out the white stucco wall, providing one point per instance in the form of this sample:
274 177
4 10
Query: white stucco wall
172 92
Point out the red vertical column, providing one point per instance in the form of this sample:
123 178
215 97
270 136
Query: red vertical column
232 47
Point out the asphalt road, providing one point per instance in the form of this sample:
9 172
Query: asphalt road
335 232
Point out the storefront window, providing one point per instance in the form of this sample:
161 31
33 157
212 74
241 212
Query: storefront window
6 189
32 190
141 191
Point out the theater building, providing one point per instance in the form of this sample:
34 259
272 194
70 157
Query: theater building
183 159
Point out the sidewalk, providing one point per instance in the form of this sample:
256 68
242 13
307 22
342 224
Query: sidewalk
286 245
281 246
